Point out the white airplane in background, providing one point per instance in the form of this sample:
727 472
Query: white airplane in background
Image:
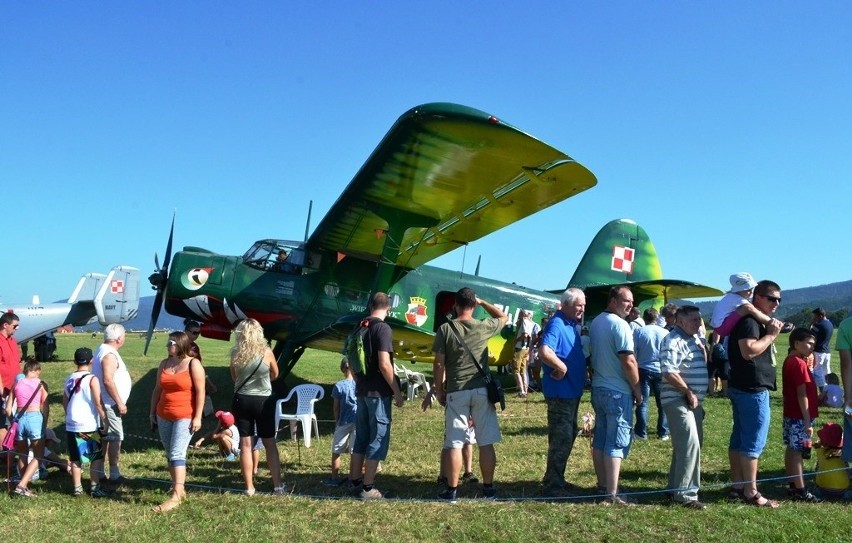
110 298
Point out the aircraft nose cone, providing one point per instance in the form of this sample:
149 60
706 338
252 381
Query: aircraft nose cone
158 280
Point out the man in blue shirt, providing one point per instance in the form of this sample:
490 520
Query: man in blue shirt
563 376
646 345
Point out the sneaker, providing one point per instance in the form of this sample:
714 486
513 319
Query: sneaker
231 458
469 477
354 487
665 437
24 492
448 496
640 438
694 504
100 492
280 490
120 480
78 491
489 492
372 494
802 495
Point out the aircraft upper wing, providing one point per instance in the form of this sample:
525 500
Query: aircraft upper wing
443 176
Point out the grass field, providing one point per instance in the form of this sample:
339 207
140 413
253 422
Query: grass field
216 511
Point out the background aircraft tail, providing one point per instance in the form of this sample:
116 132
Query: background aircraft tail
621 253
117 299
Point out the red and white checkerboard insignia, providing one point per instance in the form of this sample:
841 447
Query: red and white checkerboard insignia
622 259
116 286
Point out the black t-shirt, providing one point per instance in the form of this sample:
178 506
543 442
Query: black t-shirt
754 375
379 338
823 331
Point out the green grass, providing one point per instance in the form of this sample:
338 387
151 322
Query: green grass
316 513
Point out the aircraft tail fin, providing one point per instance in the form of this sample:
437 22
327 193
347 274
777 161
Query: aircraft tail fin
117 299
621 252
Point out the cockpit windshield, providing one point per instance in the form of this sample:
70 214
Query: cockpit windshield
276 255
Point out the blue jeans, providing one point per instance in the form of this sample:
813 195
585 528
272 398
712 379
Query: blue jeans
751 421
175 435
613 421
650 382
372 427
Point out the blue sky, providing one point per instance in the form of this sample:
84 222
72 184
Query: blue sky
721 127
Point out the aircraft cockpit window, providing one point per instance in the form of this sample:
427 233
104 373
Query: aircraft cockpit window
276 256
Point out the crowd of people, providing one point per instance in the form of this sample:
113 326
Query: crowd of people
622 359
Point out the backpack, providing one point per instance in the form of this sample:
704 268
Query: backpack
354 350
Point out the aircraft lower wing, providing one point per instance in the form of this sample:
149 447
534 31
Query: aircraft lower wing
410 342
665 289
443 176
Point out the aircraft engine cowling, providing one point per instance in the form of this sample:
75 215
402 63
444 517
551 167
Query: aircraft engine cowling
214 331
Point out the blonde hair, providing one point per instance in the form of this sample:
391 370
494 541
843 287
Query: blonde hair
250 343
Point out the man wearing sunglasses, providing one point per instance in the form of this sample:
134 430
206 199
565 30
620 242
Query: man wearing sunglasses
10 362
752 355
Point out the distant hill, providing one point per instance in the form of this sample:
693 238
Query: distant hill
146 304
831 297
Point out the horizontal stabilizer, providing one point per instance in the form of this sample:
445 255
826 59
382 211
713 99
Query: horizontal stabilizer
87 288
117 299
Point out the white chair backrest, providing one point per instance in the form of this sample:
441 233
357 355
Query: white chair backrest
306 396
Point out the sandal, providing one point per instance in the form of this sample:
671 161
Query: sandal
24 491
167 505
755 501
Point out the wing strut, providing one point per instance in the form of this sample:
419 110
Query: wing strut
398 222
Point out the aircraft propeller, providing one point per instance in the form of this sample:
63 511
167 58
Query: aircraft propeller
159 281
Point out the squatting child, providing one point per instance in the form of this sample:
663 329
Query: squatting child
832 480
832 394
799 394
226 436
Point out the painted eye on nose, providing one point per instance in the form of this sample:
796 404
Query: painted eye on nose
195 278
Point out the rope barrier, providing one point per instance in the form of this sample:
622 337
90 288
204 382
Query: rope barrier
572 498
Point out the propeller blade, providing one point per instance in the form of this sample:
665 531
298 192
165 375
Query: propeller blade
155 314
168 258
160 281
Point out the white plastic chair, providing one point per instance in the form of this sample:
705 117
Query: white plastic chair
412 380
306 397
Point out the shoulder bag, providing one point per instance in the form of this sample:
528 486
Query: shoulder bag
12 433
492 384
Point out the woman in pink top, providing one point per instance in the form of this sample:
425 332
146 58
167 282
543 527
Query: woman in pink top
176 406
31 398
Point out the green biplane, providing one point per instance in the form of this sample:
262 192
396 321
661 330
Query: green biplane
443 176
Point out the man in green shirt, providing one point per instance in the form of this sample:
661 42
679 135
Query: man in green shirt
460 387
